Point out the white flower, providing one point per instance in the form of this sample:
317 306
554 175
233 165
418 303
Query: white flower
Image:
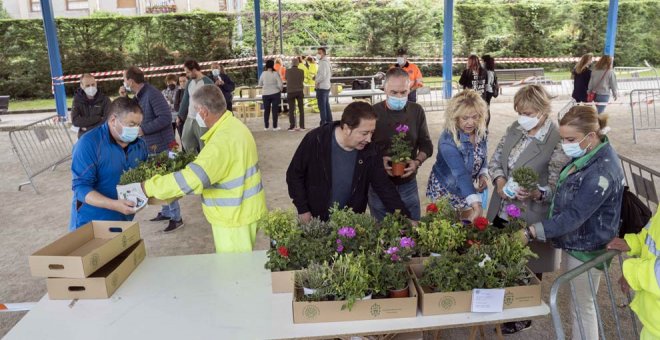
483 262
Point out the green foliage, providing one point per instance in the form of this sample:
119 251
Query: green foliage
526 178
400 150
350 279
440 236
159 164
315 276
280 225
3 11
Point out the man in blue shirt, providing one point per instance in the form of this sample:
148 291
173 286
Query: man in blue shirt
99 159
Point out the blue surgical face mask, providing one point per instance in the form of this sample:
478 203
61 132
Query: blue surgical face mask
396 103
128 133
215 72
574 150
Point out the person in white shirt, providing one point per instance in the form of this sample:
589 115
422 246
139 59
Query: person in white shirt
322 86
271 92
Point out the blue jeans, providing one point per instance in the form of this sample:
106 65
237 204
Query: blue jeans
173 211
602 98
409 196
323 101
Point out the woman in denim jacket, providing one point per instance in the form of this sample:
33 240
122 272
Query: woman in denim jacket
461 156
584 215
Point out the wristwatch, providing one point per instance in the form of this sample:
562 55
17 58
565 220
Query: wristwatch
420 162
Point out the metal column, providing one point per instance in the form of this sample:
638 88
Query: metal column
257 34
610 34
447 46
50 30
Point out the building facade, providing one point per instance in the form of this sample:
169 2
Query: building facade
31 9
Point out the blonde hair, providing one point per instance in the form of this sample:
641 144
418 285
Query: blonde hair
584 62
532 97
278 61
604 63
585 119
464 103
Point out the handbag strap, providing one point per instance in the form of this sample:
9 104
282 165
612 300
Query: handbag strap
601 79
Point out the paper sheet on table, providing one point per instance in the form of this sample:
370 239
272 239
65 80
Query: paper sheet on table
487 300
133 192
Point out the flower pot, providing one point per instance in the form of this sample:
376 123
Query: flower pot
435 254
398 169
309 291
399 293
367 297
273 244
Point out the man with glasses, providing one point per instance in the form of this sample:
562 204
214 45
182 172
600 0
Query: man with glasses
98 161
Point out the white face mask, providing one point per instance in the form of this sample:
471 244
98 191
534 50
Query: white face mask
216 72
401 61
574 150
90 91
200 121
528 123
318 57
126 87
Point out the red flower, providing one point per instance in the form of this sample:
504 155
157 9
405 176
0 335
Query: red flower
481 223
283 251
173 145
432 208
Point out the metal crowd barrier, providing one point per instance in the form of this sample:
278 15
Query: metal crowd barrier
618 316
431 95
40 146
645 110
643 181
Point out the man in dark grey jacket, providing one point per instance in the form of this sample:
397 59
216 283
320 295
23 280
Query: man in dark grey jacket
295 78
90 107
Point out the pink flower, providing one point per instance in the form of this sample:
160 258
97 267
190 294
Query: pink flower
512 210
340 248
395 257
392 250
347 232
407 242
402 128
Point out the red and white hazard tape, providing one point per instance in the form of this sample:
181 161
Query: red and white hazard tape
162 74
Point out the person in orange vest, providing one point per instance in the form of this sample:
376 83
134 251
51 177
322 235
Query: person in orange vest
413 72
280 69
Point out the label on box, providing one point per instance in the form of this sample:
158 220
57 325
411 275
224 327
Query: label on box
487 300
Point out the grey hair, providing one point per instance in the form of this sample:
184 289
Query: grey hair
211 98
396 72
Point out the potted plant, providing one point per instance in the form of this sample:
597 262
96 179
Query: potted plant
279 224
439 237
441 209
353 232
314 281
400 150
350 279
522 177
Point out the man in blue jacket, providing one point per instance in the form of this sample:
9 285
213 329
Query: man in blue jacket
99 159
156 129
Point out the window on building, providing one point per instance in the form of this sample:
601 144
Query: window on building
73 5
35 6
126 4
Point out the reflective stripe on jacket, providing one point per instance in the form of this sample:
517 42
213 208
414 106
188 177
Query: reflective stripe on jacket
643 274
225 172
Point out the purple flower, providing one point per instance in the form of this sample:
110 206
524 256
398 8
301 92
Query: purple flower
340 248
395 257
347 232
512 210
402 128
392 250
338 241
407 242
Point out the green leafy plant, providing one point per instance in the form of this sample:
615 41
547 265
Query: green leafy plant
441 209
526 178
395 276
350 279
440 236
353 232
160 164
393 227
280 224
400 150
316 277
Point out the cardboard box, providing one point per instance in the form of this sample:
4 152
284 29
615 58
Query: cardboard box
80 253
375 309
102 283
282 282
460 302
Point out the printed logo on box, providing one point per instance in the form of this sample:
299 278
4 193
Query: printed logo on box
447 302
375 310
508 298
94 261
311 312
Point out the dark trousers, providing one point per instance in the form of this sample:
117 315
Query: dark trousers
228 98
487 96
412 96
291 99
271 101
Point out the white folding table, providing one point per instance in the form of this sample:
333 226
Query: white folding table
213 296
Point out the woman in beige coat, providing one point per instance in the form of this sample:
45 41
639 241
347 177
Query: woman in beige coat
532 141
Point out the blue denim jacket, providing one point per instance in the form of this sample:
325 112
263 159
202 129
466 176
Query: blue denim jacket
587 205
453 165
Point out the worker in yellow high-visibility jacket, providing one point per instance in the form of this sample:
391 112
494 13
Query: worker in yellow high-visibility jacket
642 274
225 173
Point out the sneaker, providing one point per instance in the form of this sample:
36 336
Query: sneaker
291 129
173 225
159 217
277 129
265 129
509 328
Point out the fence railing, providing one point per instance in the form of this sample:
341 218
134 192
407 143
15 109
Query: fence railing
618 316
645 110
431 95
40 146
643 181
